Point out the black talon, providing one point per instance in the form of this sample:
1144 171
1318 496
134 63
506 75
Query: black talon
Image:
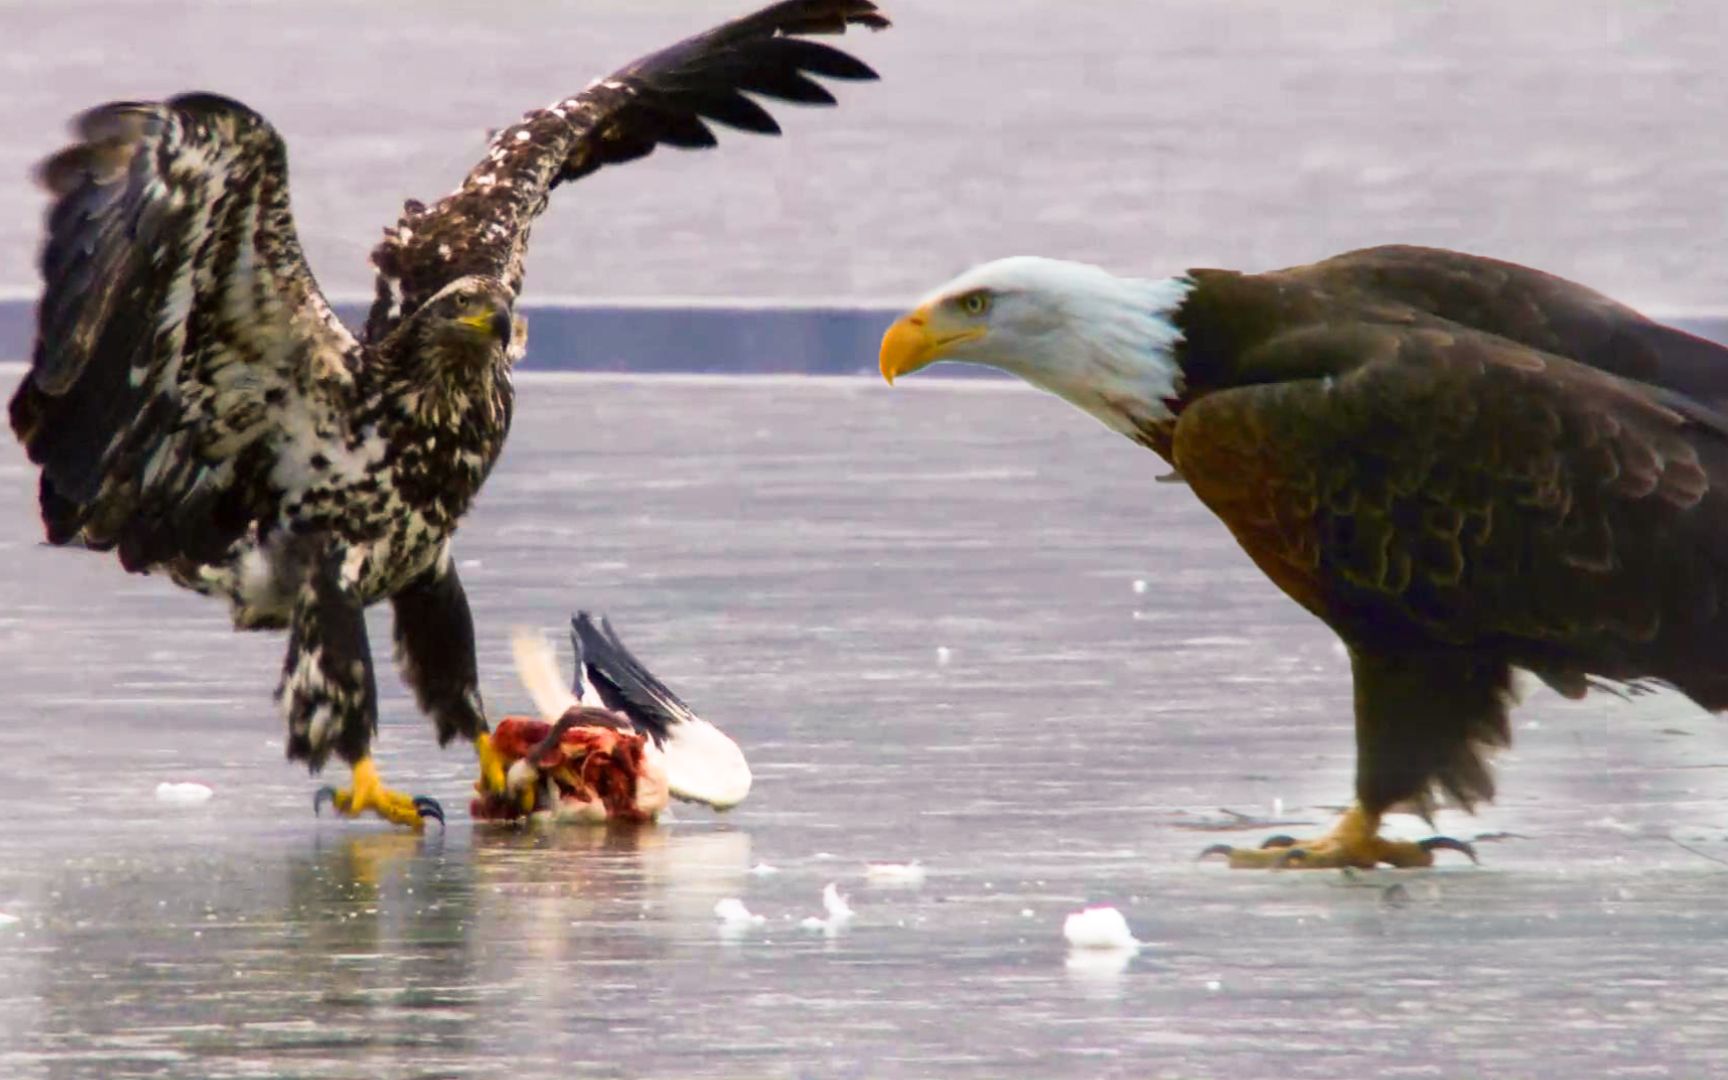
429 808
1281 840
325 794
1215 849
1291 854
1446 843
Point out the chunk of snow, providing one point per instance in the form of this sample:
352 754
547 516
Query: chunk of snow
733 914
184 794
834 903
943 654
8 920
1140 585
839 912
762 869
1099 928
895 875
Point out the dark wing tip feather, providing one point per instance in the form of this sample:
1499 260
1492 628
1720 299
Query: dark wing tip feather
764 53
623 680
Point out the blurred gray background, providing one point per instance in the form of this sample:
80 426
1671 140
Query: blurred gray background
1585 138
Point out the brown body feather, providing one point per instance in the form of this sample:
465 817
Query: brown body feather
1463 466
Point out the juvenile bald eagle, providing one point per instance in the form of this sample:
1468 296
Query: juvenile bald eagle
194 405
1462 466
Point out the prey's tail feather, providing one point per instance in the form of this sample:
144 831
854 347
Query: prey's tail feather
537 666
702 763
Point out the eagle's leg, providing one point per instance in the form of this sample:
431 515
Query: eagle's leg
436 655
1355 841
1424 719
330 695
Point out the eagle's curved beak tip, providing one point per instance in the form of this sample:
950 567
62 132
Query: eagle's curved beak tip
907 346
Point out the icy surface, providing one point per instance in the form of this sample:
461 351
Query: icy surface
787 555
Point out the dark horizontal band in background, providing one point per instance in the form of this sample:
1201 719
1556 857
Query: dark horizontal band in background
718 338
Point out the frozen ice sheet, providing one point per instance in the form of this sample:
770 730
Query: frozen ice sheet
789 554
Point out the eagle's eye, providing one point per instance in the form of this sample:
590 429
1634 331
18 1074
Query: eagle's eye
974 303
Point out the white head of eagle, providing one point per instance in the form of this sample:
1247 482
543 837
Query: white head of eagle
1102 342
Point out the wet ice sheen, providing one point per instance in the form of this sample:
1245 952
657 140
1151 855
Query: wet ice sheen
793 586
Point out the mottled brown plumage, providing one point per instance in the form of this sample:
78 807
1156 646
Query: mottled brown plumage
194 405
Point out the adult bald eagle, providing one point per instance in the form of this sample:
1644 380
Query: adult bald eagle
1462 466
194 404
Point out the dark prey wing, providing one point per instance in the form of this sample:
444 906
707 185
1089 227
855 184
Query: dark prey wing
178 321
664 98
623 683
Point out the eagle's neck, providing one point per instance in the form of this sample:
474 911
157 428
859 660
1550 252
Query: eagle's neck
1115 354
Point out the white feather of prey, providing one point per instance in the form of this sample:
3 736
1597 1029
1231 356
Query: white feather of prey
702 763
537 667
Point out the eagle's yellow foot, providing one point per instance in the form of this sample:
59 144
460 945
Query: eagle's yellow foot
369 793
1355 842
491 780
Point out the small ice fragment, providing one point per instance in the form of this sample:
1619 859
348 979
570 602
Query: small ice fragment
8 920
895 875
1139 585
1026 913
1214 985
1098 928
839 912
1277 807
834 903
733 915
1614 825
762 869
943 654
184 794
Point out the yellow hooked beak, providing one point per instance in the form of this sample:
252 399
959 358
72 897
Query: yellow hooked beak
914 341
491 323
481 322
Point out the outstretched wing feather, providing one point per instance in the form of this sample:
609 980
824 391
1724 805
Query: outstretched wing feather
179 324
667 97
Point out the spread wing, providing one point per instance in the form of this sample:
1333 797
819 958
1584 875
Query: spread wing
179 325
664 98
1456 497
